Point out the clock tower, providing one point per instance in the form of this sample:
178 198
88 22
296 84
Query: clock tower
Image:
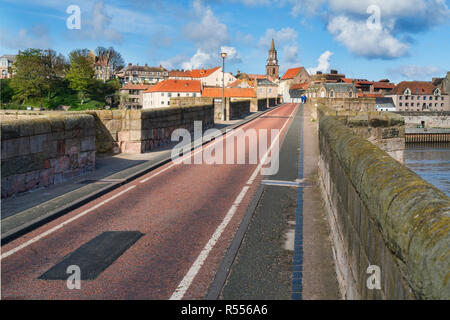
272 67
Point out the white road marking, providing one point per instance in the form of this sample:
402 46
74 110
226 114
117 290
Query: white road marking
46 233
195 268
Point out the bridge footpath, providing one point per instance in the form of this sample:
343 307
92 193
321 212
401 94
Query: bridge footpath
286 251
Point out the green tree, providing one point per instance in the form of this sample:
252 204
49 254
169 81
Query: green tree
6 92
31 75
81 71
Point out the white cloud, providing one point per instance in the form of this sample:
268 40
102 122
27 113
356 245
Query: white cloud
232 55
35 37
414 72
282 36
323 63
362 41
209 33
200 59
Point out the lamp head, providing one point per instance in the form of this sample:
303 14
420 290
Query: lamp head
224 55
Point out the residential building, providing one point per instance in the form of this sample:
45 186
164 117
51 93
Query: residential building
266 89
371 88
296 91
332 77
209 77
142 74
420 96
443 83
132 95
272 67
6 64
292 76
332 90
242 83
159 95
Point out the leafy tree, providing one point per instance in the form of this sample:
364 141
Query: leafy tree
81 71
6 92
31 75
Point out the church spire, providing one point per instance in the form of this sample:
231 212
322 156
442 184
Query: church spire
272 67
272 48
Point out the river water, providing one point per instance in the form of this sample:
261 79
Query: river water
431 162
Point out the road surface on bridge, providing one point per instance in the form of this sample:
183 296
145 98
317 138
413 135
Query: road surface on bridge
187 215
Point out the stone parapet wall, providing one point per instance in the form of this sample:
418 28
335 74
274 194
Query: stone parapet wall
37 151
238 109
138 131
383 214
346 104
384 129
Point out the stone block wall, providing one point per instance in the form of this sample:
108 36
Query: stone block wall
238 109
138 131
346 104
431 119
384 129
40 151
382 213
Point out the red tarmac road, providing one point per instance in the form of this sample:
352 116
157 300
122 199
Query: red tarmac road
187 213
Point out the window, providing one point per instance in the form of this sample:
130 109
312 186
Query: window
431 98
162 94
350 94
400 104
194 94
178 95
401 97
162 102
407 104
331 94
169 94
406 97
424 98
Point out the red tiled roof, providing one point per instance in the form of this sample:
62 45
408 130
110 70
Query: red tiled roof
186 74
347 80
201 73
239 81
302 86
173 85
229 92
291 73
383 85
131 86
416 87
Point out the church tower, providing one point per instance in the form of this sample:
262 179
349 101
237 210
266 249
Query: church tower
272 67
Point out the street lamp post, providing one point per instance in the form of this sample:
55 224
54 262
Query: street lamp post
224 55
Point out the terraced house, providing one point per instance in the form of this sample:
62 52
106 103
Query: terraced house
420 96
6 63
142 74
159 95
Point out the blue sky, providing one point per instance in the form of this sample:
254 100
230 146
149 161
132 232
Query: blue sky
410 41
